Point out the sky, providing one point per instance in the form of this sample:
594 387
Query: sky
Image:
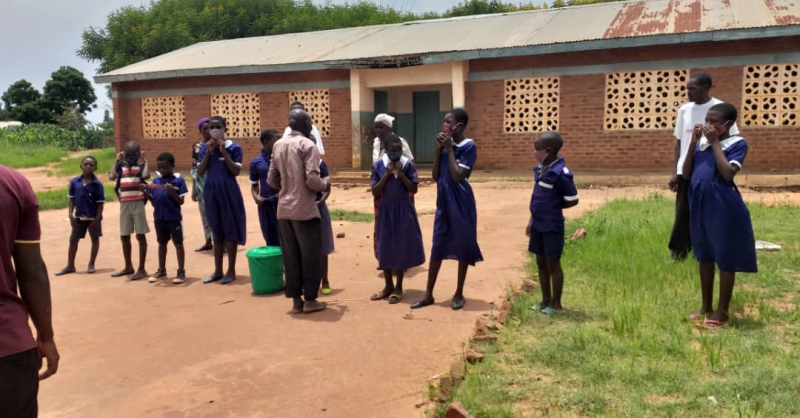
42 35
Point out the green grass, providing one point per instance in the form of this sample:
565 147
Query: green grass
351 216
57 199
624 348
29 156
71 167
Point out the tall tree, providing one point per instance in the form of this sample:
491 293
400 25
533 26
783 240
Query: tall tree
24 103
68 90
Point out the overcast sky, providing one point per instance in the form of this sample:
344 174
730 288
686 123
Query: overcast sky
39 36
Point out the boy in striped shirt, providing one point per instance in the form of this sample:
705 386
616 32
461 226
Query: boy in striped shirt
130 175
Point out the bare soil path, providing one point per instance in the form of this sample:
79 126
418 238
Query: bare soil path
133 349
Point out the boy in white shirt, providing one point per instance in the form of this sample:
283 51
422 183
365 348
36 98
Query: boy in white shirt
691 114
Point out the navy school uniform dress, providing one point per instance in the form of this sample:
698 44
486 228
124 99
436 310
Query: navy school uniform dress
325 215
398 235
87 196
455 226
720 224
167 216
268 210
223 198
553 185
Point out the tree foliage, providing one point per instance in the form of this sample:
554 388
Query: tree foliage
68 91
133 34
24 103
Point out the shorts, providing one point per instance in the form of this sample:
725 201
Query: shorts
19 384
166 230
79 232
132 218
549 243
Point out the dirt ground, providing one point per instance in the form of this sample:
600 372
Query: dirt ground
134 349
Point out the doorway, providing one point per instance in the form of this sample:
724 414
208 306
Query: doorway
427 124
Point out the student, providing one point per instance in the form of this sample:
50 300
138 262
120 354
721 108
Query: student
314 136
86 201
691 114
553 191
264 195
399 238
198 182
455 227
221 162
130 175
722 232
325 227
167 192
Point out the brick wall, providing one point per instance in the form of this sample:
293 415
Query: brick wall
582 100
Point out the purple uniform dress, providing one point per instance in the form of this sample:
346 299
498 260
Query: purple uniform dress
720 223
325 215
223 198
267 211
398 236
455 227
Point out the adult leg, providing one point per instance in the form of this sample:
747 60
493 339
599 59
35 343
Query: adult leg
680 242
95 251
544 281
292 265
433 274
230 275
458 298
309 239
141 273
726 281
71 253
126 254
19 384
557 278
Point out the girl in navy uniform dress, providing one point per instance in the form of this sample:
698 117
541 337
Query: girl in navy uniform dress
221 162
326 227
398 236
265 196
721 229
455 227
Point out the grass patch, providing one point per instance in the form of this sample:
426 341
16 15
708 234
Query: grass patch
29 156
623 346
57 199
71 167
351 216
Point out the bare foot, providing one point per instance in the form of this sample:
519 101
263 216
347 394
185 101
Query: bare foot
123 272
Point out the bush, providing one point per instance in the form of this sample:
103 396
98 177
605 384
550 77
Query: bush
41 135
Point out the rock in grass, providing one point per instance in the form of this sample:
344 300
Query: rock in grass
474 357
457 410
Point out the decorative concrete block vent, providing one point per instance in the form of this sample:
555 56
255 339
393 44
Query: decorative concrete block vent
318 105
644 99
770 95
163 117
242 111
531 104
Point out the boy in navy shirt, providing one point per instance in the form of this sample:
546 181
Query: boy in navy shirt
553 191
86 199
167 192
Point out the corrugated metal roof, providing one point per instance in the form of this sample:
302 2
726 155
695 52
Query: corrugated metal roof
345 47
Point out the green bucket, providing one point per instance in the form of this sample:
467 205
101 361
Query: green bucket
266 270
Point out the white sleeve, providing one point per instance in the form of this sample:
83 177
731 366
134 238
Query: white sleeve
287 131
318 137
376 150
407 150
734 129
679 125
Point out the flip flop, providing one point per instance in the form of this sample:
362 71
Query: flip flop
380 295
697 315
395 299
211 279
536 307
326 291
710 324
548 311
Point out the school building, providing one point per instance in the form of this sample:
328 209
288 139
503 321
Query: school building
610 77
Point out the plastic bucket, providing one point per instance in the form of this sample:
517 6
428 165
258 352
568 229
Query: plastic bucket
266 270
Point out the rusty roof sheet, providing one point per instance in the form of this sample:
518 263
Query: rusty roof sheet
344 47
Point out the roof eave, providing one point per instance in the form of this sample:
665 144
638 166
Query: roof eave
434 58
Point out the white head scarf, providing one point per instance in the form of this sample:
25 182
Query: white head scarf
384 119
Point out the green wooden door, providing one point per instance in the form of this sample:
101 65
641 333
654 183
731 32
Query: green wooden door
427 124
